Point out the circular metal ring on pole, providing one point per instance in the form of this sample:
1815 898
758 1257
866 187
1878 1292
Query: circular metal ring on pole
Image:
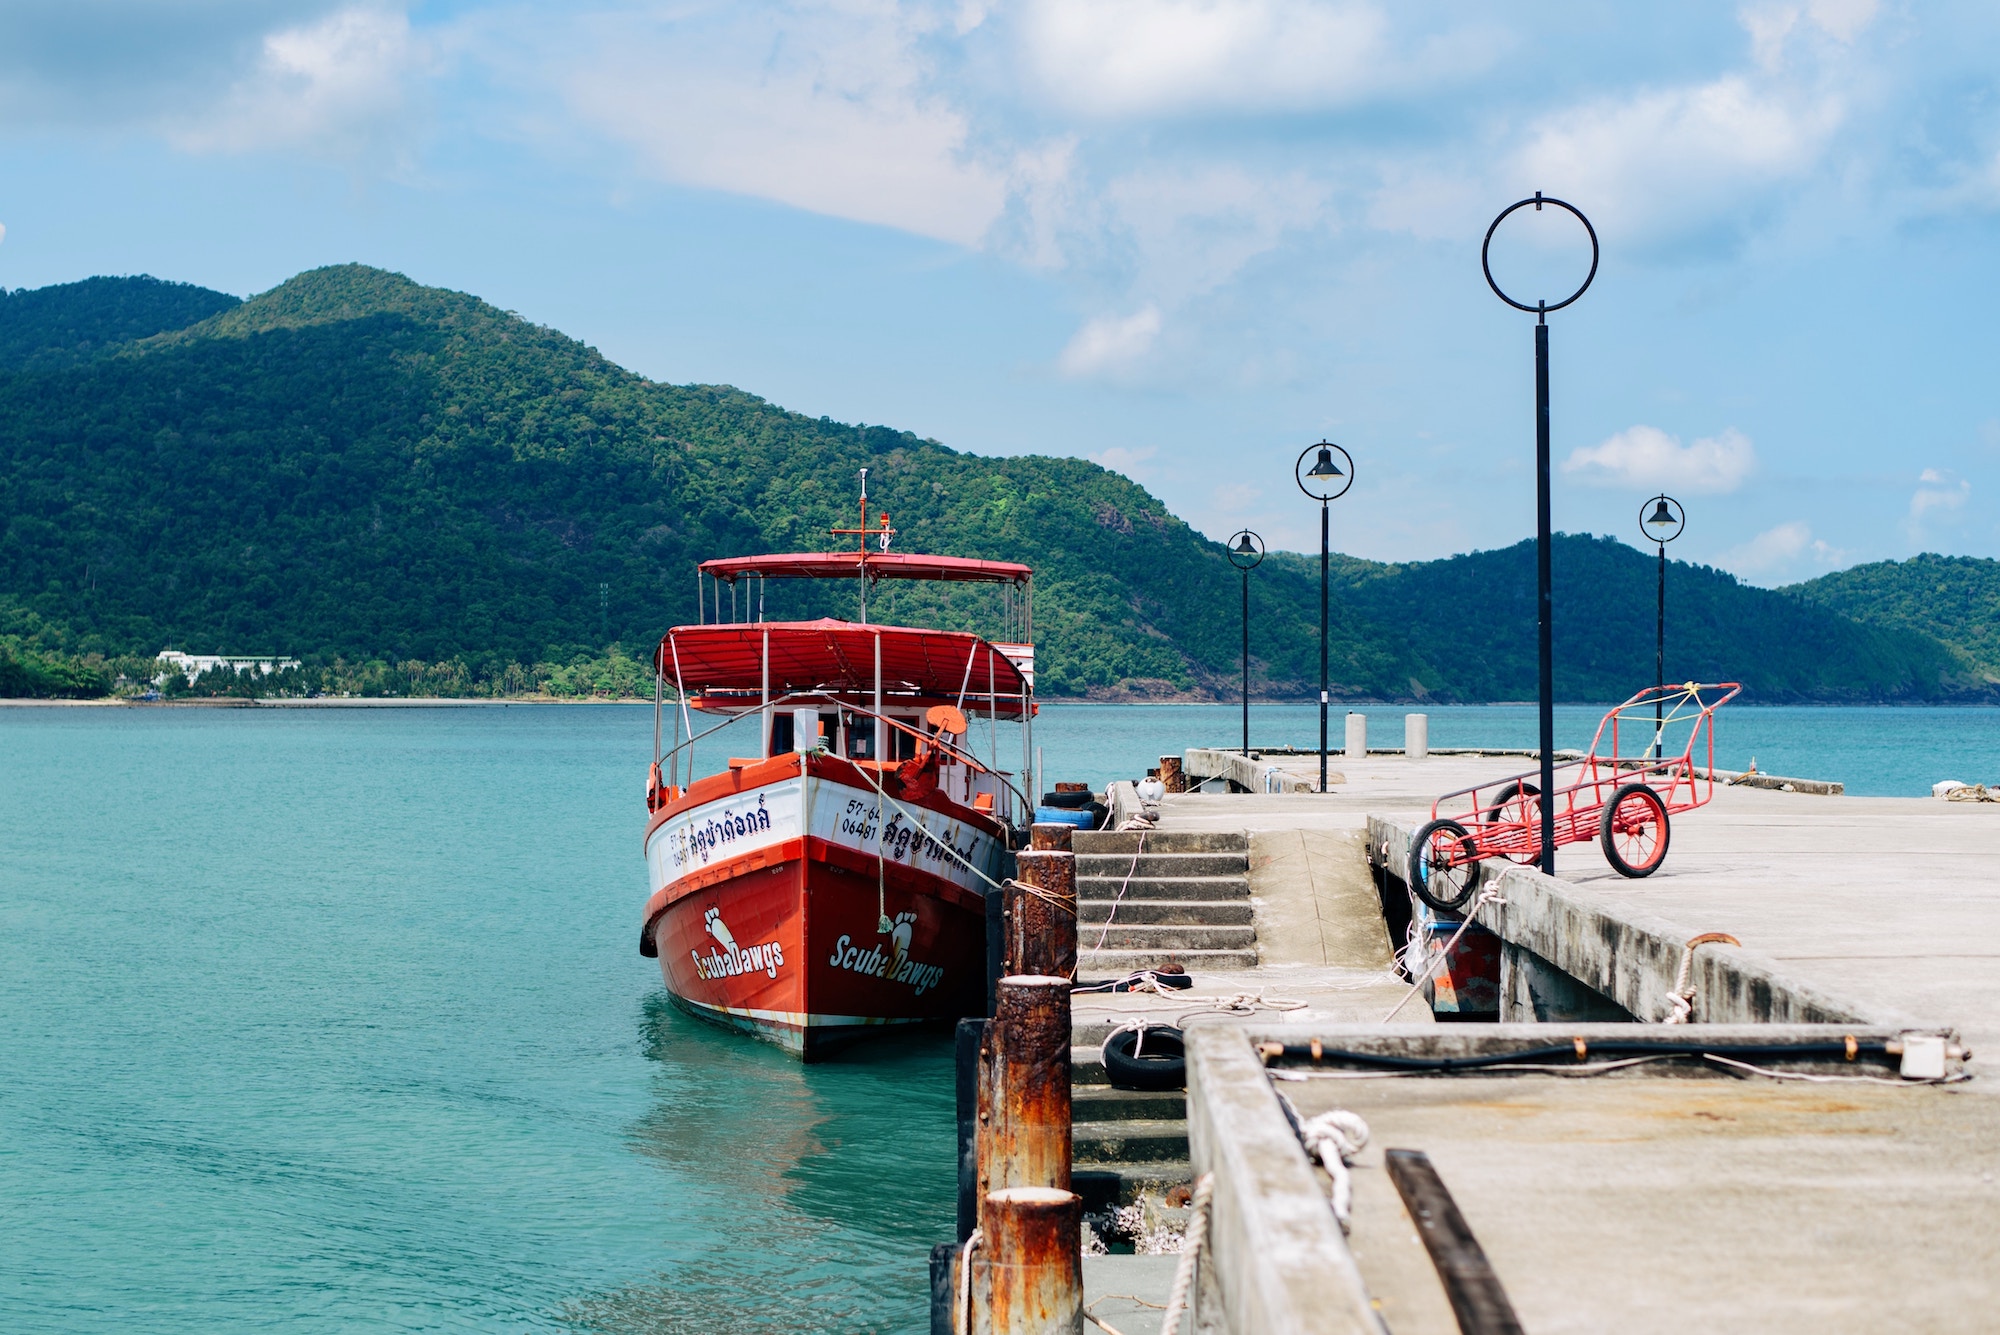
1540 307
1660 514
1246 550
1324 472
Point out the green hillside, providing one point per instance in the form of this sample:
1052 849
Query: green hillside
1478 614
417 492
1954 598
72 322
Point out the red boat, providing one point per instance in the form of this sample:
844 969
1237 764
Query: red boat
829 881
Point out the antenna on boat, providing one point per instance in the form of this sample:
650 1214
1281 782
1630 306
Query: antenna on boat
882 533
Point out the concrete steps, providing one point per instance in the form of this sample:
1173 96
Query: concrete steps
1210 888
1164 913
1163 898
1125 1142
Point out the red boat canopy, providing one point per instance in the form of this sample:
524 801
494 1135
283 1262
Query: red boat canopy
837 657
881 565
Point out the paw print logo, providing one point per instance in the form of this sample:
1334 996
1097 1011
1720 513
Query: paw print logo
899 933
719 929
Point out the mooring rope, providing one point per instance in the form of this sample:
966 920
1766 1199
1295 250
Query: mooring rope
1682 1000
961 1308
1112 916
1197 1233
1486 896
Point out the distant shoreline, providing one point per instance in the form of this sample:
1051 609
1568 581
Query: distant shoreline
326 702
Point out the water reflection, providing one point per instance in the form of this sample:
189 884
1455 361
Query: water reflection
801 1198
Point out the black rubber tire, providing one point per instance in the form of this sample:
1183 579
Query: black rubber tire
1068 801
1506 795
1421 882
1610 845
1162 1064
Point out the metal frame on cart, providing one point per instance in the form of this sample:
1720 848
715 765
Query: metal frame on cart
1623 799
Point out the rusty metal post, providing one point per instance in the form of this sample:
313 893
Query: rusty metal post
1028 1272
1051 837
1041 922
1171 775
1024 1087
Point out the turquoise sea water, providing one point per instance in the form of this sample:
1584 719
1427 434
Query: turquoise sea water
327 1020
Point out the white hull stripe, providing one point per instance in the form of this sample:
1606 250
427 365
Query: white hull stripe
797 1019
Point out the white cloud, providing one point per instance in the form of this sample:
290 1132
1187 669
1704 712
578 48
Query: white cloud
338 85
1123 459
1150 56
1646 457
1110 343
1939 494
1786 552
825 107
1661 160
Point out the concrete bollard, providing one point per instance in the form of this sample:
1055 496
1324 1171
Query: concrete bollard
1357 736
1024 1091
1041 928
1416 736
1171 776
1052 837
1027 1275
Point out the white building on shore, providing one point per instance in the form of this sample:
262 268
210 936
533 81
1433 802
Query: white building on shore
193 665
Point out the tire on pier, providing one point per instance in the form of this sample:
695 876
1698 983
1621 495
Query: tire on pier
1634 831
1160 1061
1444 865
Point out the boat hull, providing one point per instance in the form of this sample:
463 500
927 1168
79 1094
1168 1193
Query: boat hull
775 928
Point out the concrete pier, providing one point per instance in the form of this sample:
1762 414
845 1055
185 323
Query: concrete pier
1826 1194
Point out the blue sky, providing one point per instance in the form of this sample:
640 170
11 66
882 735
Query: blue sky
1183 238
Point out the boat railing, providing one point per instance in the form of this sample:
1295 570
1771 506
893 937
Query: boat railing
669 761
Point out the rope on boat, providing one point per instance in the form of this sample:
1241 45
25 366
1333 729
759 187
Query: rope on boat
1197 1234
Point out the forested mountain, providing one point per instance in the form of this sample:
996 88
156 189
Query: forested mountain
1954 598
355 467
72 322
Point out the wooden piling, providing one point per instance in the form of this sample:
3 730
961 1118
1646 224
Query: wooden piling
1052 837
1171 775
1024 1087
1028 1272
1041 919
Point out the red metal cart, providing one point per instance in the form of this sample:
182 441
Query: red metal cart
1623 800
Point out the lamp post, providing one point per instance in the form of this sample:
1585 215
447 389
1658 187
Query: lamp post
1662 526
1246 552
1324 482
1544 602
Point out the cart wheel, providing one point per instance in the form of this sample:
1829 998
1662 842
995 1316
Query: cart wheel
1634 831
1443 865
1520 803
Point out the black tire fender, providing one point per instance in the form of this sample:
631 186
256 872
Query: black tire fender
1161 1062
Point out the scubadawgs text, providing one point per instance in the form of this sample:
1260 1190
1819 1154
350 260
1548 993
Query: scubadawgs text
770 957
875 964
